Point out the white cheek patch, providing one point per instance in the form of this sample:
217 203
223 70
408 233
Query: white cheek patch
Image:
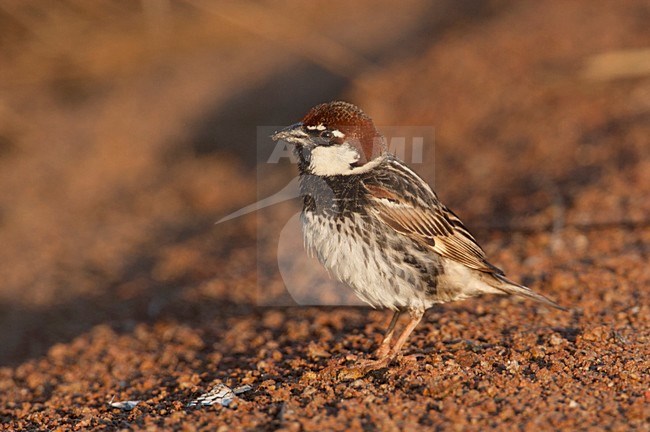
333 160
337 133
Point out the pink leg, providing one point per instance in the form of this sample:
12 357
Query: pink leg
362 368
384 348
415 318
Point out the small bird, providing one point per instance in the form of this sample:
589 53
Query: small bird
381 229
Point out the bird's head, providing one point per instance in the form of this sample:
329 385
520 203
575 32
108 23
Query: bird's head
334 138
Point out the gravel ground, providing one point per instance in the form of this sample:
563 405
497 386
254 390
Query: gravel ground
117 286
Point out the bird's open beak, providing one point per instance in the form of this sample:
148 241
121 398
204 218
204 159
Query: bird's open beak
293 134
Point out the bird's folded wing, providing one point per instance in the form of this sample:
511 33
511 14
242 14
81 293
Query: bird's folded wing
435 226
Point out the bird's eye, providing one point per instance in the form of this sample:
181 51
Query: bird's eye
326 134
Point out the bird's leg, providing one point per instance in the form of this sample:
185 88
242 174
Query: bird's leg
415 318
363 368
384 348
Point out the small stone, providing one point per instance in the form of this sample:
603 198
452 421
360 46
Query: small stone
556 340
219 394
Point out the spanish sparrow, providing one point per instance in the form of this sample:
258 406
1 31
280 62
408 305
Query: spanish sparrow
379 228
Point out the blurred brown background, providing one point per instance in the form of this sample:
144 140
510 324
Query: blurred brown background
127 128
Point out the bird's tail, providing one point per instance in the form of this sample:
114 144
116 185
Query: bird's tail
510 287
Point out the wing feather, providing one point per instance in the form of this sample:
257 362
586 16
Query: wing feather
433 225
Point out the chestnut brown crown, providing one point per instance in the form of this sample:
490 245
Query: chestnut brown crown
357 127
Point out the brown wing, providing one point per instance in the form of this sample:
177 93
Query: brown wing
435 226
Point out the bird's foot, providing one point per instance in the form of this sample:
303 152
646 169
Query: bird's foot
382 351
363 368
356 371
